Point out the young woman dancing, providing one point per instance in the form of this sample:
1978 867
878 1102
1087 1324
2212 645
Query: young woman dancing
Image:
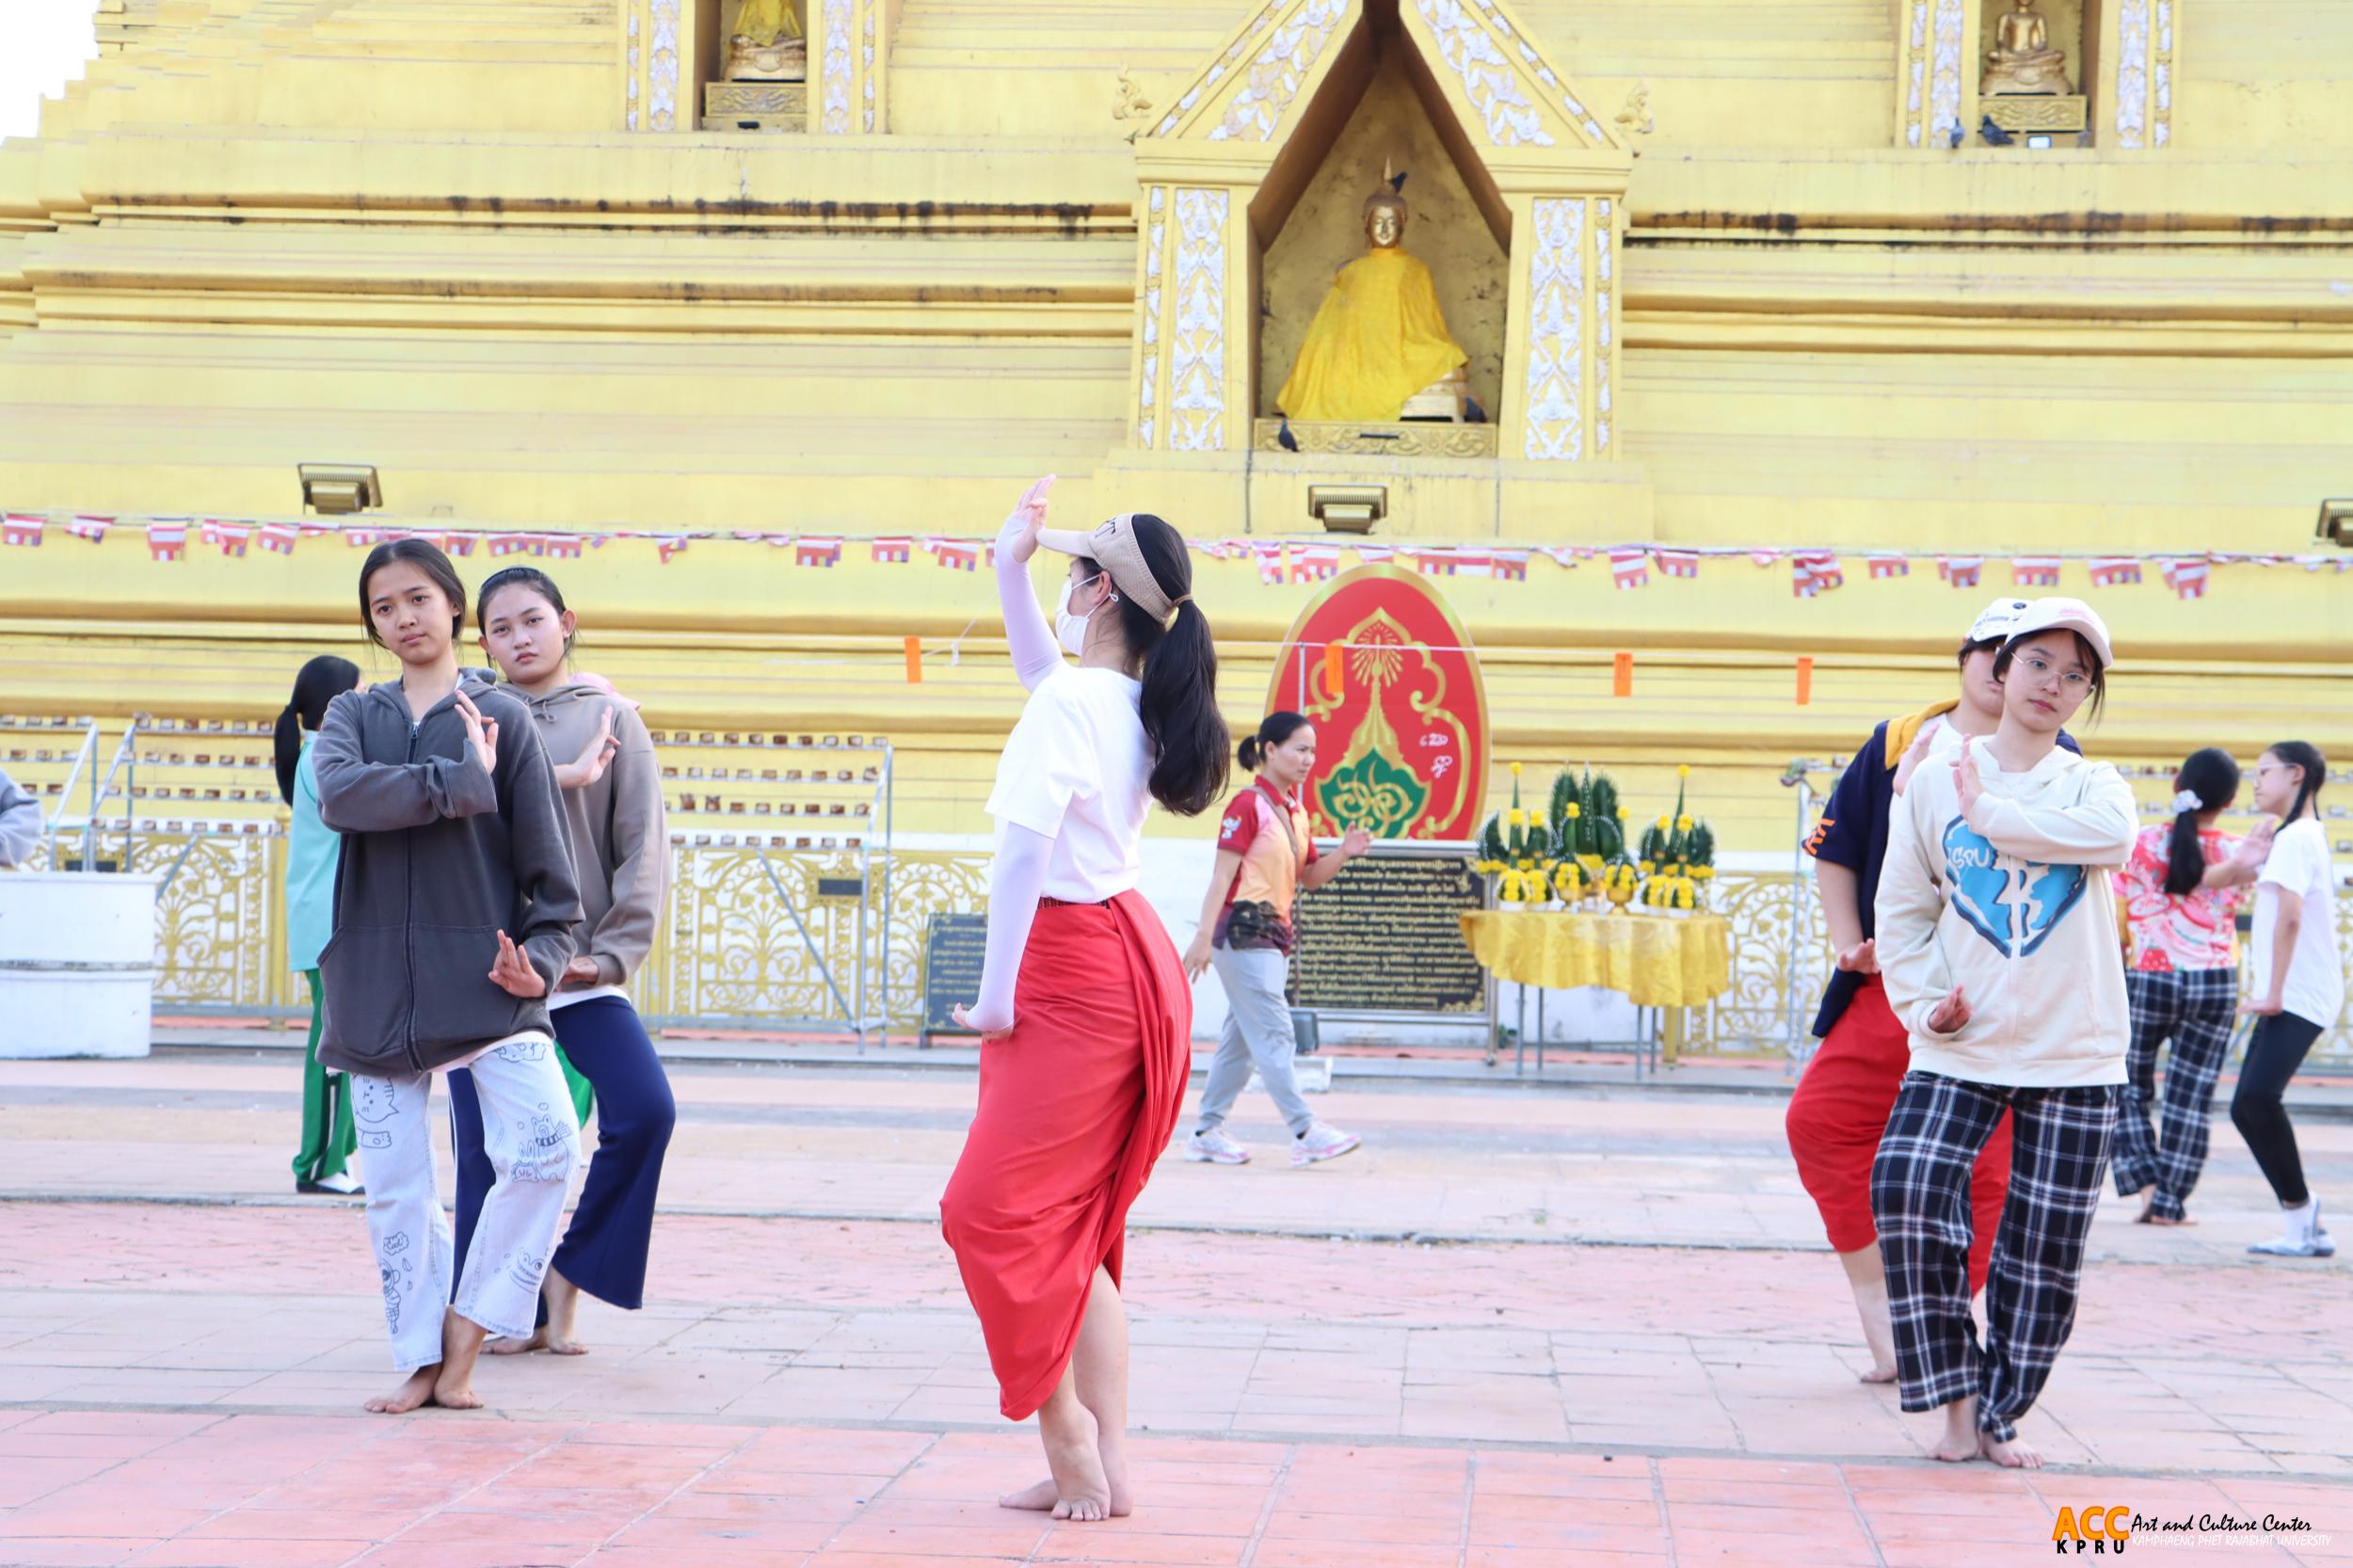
455 912
1084 1013
1265 856
2182 890
612 790
1998 946
1840 1108
322 1164
2299 979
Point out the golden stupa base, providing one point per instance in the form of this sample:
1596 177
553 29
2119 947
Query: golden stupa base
755 107
1402 439
2043 111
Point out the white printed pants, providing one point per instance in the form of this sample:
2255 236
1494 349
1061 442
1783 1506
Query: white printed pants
533 1144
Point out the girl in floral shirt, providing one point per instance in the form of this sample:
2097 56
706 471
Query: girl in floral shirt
2181 891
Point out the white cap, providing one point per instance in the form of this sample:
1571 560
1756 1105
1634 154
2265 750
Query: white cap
1994 621
2066 615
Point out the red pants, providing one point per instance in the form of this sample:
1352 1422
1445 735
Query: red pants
1841 1109
1076 1104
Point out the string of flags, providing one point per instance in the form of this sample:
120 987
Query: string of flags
1812 571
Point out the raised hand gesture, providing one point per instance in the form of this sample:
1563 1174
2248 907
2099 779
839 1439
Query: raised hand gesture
1355 842
512 974
1862 958
481 733
1018 538
1967 782
1951 1014
594 758
1916 753
2255 848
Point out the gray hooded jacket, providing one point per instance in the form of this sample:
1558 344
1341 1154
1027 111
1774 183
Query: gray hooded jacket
438 858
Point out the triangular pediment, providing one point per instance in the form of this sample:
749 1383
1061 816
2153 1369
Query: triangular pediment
1502 89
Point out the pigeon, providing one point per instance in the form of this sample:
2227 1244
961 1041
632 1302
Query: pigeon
1284 438
1472 412
1994 135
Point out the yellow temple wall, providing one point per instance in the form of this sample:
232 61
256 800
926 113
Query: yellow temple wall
246 245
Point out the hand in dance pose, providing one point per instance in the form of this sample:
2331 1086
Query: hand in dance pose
481 733
512 972
1952 1013
1862 958
586 768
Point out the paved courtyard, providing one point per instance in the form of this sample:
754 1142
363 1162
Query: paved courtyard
1522 1327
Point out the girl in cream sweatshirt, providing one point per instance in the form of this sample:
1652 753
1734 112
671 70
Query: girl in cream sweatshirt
1998 947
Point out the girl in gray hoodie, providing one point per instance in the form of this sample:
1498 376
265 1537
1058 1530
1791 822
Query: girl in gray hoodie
455 914
612 793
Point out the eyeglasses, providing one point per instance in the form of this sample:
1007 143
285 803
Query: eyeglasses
2039 669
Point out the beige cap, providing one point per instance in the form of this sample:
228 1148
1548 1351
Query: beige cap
1114 547
2065 614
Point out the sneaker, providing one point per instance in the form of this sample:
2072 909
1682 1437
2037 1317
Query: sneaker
1211 1145
2304 1237
342 1184
1321 1141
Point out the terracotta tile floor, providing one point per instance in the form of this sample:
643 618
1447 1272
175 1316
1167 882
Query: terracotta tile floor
180 1377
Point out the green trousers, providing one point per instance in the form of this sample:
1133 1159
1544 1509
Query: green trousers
328 1136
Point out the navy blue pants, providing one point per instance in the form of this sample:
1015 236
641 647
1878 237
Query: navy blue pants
603 1251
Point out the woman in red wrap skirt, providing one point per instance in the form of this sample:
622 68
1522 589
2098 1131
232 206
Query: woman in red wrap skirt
1084 1013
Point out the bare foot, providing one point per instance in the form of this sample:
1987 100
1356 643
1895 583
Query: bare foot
563 1298
415 1391
2170 1223
1880 1374
1041 1497
1960 1443
2017 1455
461 1342
504 1346
1114 1449
1082 1491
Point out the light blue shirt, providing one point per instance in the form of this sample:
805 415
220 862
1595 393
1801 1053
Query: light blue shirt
312 849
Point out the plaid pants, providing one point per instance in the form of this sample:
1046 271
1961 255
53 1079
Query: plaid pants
1920 1197
2195 1009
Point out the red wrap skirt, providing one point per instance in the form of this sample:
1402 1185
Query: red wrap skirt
1076 1104
1841 1109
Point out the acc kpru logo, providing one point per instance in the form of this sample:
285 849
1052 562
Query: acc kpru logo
2093 1529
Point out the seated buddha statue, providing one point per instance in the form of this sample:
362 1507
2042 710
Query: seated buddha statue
2021 62
1377 350
766 44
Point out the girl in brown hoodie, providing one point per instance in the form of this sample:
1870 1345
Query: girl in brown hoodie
612 794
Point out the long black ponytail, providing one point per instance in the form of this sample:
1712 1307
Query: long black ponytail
321 680
2304 756
1275 729
1191 746
2209 780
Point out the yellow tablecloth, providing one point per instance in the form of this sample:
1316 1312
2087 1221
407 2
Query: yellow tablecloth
1655 960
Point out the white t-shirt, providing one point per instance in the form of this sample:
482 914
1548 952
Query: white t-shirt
1077 770
2299 868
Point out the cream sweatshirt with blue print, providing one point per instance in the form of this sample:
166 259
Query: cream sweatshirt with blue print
2013 901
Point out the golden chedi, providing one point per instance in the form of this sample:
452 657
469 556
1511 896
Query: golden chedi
767 45
2021 62
1377 350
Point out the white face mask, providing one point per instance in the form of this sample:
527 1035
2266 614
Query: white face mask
1071 629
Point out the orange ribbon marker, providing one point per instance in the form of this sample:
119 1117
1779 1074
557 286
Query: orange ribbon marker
1335 669
1622 678
915 661
1805 679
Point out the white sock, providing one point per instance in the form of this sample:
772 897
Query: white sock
2303 1219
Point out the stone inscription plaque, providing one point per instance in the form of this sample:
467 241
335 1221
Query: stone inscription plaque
1385 935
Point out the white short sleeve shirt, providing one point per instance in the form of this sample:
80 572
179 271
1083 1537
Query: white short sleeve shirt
1077 770
2299 868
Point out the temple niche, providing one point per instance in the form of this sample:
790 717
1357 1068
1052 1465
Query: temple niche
2034 72
1389 131
758 67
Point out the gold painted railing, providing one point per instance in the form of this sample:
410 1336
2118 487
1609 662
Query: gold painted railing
731 957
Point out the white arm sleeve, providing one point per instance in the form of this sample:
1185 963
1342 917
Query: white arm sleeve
1016 880
1036 654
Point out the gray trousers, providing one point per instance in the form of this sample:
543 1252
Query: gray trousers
1258 1034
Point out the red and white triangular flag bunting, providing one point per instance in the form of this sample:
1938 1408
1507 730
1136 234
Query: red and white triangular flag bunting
512 544
1811 571
23 528
1315 563
812 551
230 536
1473 563
2035 571
1271 565
167 538
279 537
2114 571
1676 563
1566 556
958 554
893 550
87 526
463 544
1511 564
1763 557
669 546
567 547
1884 567
2187 576
1375 554
1962 571
1630 567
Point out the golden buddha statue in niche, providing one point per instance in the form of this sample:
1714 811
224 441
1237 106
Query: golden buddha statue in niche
2021 62
1377 350
766 44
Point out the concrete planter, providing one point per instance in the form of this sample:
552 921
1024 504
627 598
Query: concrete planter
77 963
